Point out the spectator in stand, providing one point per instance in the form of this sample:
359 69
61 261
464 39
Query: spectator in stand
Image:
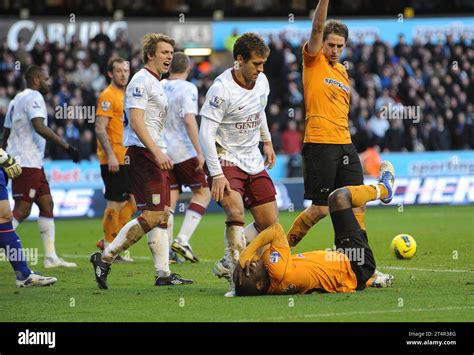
378 125
439 136
276 136
291 139
394 140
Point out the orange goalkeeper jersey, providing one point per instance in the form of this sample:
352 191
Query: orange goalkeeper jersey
316 271
326 98
110 104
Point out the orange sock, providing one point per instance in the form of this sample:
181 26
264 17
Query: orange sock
299 228
126 212
362 194
111 224
360 216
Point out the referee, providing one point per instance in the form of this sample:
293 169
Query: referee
330 160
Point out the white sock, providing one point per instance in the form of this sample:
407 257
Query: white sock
250 233
159 246
235 243
121 242
46 229
171 227
15 223
190 223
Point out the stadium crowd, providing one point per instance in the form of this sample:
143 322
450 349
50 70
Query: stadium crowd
437 78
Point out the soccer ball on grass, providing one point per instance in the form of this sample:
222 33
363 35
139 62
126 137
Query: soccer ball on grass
403 246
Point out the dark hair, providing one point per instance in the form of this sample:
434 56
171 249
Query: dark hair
32 72
250 43
336 27
180 62
150 41
112 61
247 285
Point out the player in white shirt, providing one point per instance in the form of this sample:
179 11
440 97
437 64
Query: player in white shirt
182 139
25 133
232 125
145 108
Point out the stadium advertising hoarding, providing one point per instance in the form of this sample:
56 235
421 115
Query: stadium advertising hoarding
422 178
62 30
359 30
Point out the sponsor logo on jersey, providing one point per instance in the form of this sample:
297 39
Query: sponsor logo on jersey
274 257
137 92
330 81
105 105
216 101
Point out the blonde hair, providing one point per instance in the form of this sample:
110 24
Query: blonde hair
150 41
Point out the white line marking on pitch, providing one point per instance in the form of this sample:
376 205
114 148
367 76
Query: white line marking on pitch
141 257
342 314
425 270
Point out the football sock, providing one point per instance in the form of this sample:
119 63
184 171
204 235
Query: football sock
111 224
362 194
47 231
300 227
360 216
171 227
159 246
234 242
10 241
126 212
191 221
128 235
250 233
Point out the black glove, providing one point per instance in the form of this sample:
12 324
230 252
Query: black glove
74 153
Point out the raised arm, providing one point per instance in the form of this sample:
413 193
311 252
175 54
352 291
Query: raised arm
315 41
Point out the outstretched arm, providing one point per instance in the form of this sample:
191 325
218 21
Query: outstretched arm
315 41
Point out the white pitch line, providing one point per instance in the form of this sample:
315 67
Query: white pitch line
343 314
140 257
424 270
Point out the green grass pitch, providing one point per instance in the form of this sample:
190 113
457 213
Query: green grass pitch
436 285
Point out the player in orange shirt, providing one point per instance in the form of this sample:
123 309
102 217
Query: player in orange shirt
330 160
349 268
111 153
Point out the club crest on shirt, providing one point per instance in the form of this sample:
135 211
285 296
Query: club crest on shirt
105 105
274 257
155 199
137 92
216 102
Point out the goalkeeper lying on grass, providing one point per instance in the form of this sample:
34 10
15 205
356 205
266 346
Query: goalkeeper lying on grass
349 268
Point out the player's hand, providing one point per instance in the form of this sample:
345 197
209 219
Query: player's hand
270 156
163 160
220 185
74 153
10 165
113 164
201 161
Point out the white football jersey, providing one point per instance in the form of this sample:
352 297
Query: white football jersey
240 112
24 144
145 92
182 99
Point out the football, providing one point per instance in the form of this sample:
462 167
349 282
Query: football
403 246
